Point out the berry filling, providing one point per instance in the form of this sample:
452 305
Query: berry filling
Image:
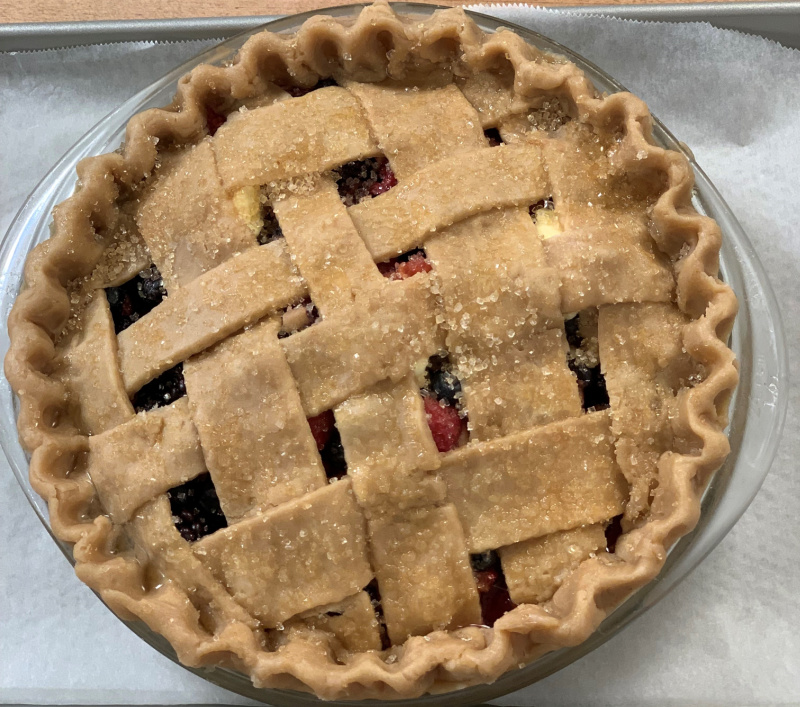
491 583
214 120
445 424
329 444
364 179
195 508
322 427
493 136
613 532
544 205
132 300
375 598
165 389
585 366
297 91
441 397
271 230
406 265
296 317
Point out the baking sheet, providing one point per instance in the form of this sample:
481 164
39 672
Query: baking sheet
728 635
779 21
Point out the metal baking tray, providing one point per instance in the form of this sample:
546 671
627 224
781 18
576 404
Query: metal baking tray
779 21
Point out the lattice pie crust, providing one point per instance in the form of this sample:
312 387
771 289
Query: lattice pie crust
548 237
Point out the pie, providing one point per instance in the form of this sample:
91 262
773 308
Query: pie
384 360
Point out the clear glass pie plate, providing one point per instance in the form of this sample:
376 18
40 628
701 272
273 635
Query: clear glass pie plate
757 409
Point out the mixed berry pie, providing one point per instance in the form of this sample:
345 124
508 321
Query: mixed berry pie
384 360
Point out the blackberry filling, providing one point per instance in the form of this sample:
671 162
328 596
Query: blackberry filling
592 385
406 265
130 301
375 598
329 444
271 230
491 583
613 532
195 508
364 179
165 389
493 136
297 91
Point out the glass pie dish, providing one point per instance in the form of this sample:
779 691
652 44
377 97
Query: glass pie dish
757 407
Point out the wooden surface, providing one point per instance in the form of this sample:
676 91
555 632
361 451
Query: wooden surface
72 10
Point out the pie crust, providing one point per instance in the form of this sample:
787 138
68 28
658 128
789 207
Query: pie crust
281 593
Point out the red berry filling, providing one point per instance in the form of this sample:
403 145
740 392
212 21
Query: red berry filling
321 427
444 422
329 444
405 266
214 120
491 583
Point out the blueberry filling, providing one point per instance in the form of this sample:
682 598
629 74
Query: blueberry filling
591 381
332 455
195 508
492 589
442 382
297 91
165 389
271 230
613 532
130 301
364 179
493 136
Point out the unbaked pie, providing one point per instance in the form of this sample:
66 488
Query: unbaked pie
384 360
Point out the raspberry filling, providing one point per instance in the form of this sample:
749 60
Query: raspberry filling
364 179
491 583
444 422
321 428
406 265
195 508
214 120
130 301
